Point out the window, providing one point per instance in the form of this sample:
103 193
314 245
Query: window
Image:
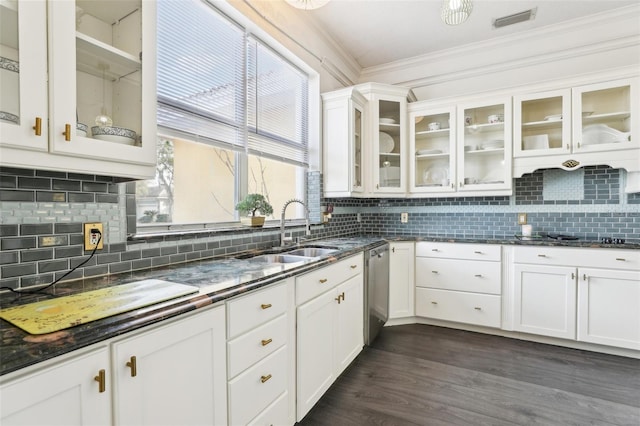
232 118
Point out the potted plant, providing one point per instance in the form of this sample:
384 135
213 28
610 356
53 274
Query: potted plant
250 206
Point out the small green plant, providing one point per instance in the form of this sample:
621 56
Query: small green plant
254 203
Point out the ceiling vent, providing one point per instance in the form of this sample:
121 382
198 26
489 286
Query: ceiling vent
527 15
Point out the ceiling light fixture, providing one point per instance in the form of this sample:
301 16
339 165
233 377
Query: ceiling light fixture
307 4
455 12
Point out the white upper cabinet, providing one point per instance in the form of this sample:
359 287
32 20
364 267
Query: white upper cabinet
461 150
574 127
343 130
23 75
365 141
96 51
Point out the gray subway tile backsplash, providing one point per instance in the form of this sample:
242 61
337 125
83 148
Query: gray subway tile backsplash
27 221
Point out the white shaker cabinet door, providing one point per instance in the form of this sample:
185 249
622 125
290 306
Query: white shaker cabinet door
545 300
609 307
401 280
349 333
178 375
66 393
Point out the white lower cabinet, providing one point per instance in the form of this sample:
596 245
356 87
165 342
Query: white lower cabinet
609 307
584 294
545 300
261 354
329 328
65 393
173 374
401 280
459 282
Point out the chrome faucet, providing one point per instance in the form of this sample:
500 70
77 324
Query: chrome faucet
283 239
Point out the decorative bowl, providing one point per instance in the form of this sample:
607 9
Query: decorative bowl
496 118
114 134
82 129
8 117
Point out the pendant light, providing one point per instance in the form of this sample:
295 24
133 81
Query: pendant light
103 118
307 4
455 12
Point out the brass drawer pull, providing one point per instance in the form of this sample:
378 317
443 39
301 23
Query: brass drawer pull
434 303
478 275
621 259
478 308
133 365
265 378
435 250
38 126
434 272
102 381
266 342
67 132
477 252
542 255
265 305
354 266
323 280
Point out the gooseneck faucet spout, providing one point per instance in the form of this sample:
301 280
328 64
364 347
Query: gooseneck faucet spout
283 239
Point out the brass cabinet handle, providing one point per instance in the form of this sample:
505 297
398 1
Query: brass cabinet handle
265 378
478 275
133 365
265 305
542 255
337 298
67 132
434 303
435 250
477 252
584 277
573 276
38 126
434 272
323 280
354 266
478 308
102 381
266 342
453 185
621 259
340 297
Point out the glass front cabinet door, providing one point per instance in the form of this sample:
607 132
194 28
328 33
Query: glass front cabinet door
432 135
23 75
573 127
484 147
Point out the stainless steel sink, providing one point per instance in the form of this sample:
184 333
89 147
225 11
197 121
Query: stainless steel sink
278 258
311 251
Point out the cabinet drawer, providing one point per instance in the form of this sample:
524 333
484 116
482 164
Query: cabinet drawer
471 308
317 282
275 414
247 312
464 275
459 250
255 389
249 348
580 257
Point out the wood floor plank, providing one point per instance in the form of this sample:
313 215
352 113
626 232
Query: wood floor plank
424 375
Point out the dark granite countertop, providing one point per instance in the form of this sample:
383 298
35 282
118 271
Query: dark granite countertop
217 280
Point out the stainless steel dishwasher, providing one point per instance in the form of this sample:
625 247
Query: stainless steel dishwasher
376 291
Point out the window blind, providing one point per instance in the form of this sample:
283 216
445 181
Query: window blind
219 84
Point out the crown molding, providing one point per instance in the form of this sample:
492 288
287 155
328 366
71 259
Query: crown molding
562 31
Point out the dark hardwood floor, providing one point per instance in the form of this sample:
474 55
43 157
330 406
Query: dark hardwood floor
425 375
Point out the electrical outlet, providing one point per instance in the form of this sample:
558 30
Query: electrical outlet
93 234
404 217
522 218
359 217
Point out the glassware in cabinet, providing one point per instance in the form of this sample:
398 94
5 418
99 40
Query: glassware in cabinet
433 151
357 148
484 154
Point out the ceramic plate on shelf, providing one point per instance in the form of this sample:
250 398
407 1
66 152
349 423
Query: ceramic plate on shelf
554 117
114 134
386 143
535 142
436 173
387 121
601 133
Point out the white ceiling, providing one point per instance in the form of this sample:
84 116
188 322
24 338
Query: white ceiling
376 32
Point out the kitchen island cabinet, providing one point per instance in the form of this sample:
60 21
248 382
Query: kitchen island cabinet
72 392
330 327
